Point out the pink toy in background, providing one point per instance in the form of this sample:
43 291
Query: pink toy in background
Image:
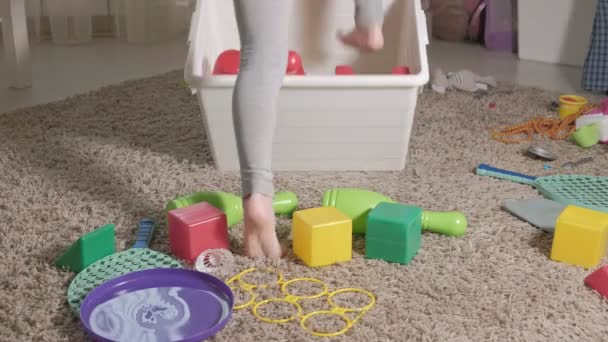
196 228
598 281
598 116
500 31
475 9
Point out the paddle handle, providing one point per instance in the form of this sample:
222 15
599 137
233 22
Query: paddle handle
144 233
451 223
486 170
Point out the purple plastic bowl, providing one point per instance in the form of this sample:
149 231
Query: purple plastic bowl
207 315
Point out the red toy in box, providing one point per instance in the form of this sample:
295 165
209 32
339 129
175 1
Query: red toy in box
344 70
228 63
401 70
196 228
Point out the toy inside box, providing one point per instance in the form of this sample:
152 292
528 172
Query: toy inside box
339 110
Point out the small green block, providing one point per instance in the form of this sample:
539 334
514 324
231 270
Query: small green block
393 232
88 248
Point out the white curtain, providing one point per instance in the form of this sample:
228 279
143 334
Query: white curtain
81 21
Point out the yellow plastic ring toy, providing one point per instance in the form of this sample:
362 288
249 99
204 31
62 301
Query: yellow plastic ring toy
347 321
239 278
276 300
249 302
365 292
311 280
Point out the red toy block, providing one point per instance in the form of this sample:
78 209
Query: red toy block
401 70
598 281
228 63
344 70
196 228
294 64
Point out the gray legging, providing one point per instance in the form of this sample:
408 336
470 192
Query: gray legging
263 29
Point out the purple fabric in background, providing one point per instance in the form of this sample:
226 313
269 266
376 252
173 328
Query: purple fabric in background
501 25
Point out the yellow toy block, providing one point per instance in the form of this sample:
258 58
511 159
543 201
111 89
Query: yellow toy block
580 237
322 236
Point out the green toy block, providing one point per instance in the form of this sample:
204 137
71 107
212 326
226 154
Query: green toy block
89 248
393 232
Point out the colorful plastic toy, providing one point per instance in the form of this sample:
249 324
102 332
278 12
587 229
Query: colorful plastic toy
598 280
600 119
393 232
89 248
350 314
357 203
344 70
228 63
284 203
570 104
196 228
322 236
580 237
137 258
587 136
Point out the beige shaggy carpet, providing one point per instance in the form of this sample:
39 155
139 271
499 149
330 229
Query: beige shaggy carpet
119 153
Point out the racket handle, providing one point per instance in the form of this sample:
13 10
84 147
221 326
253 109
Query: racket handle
144 233
486 170
451 223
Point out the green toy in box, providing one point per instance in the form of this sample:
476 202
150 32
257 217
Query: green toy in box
393 233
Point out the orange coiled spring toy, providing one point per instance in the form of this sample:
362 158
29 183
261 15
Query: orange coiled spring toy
554 128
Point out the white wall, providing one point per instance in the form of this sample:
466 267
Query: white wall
555 31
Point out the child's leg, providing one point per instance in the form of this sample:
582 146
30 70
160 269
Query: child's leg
367 34
263 29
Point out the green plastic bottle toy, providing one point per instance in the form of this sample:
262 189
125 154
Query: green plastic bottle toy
284 203
357 203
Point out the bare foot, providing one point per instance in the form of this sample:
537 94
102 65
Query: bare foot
260 237
365 39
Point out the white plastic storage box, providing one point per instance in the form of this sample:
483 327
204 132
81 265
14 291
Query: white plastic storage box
325 122
71 21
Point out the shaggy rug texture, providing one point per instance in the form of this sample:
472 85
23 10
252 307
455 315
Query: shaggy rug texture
120 153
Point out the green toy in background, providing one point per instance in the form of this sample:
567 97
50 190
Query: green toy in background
357 203
284 203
